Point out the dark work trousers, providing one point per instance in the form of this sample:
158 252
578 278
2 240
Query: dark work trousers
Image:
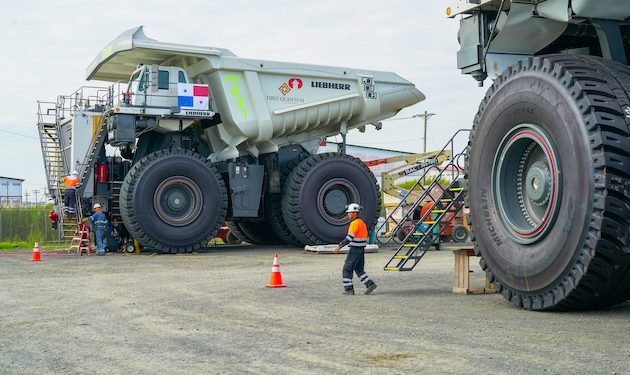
70 201
354 263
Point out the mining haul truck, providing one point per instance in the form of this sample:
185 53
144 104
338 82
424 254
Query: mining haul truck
548 163
188 137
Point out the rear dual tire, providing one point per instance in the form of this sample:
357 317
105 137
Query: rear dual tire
317 192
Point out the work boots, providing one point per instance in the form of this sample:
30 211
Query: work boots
370 289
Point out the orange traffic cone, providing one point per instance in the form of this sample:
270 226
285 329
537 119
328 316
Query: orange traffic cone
275 281
37 255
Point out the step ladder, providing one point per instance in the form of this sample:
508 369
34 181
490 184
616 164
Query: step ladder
81 240
419 234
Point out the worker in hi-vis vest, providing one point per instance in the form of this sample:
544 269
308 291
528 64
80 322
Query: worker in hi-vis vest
357 238
70 183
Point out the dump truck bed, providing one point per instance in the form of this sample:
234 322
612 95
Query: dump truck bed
264 104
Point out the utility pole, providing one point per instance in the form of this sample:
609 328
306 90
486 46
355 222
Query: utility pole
26 200
426 116
36 192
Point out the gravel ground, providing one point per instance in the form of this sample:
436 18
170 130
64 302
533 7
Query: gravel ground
210 313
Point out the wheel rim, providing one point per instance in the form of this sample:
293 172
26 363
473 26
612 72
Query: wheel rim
178 201
334 197
525 183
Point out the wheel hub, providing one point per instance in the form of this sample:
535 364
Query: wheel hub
333 197
525 183
178 201
538 183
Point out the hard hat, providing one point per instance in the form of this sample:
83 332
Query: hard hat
353 207
97 206
74 173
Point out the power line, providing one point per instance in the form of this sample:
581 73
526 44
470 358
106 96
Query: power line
21 135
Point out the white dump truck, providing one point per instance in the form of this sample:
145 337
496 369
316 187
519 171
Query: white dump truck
204 136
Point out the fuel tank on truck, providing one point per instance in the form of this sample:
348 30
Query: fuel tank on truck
264 105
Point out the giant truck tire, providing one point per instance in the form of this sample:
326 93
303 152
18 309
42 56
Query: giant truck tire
254 232
274 204
549 183
317 193
173 201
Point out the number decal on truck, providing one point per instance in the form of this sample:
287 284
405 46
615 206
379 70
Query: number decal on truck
234 79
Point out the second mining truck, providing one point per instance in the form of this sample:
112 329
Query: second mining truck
549 156
203 136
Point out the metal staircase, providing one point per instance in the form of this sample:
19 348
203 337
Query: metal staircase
51 147
427 230
49 119
54 164
420 233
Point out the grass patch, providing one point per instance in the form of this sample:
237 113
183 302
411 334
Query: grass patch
14 245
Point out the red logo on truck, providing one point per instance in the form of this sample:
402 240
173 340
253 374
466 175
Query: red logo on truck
294 81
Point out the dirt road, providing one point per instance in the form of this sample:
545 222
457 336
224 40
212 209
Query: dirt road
210 313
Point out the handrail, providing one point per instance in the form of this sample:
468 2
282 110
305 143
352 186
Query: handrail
402 203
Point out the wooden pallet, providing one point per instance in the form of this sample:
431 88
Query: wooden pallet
329 249
461 284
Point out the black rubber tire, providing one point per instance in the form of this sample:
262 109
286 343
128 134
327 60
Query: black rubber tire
274 204
299 201
583 261
459 233
232 239
254 232
137 201
236 230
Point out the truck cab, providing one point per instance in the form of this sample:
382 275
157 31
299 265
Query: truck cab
155 86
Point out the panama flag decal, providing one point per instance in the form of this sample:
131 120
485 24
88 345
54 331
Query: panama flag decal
192 96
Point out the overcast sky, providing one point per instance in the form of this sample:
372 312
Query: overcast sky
47 46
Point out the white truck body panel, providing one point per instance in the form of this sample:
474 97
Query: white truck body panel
264 105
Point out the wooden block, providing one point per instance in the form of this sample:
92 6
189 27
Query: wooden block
461 274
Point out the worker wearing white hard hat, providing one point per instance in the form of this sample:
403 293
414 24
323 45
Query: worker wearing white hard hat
357 239
98 224
70 183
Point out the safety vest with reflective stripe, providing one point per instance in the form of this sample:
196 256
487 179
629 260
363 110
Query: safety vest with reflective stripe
70 182
357 234
98 219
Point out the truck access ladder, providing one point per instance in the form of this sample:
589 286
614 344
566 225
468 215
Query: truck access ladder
419 234
51 146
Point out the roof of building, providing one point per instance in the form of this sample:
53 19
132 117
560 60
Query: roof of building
11 178
373 148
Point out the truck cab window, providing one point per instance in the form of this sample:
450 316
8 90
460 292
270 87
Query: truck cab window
163 79
133 81
144 80
181 78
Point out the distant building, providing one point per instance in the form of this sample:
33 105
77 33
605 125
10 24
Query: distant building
366 153
10 191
